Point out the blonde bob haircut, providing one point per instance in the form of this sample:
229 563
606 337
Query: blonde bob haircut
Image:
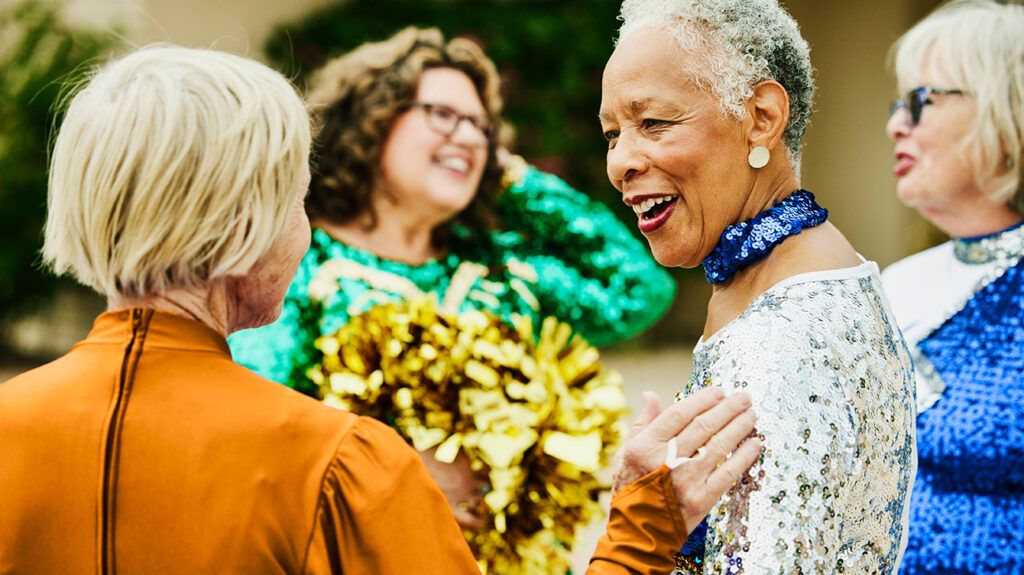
173 167
979 45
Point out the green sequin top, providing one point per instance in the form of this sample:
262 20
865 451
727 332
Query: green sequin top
566 256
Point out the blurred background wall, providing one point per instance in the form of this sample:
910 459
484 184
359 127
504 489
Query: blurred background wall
847 160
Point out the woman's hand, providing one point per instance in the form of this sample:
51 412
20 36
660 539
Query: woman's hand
462 487
706 427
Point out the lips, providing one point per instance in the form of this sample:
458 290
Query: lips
652 211
904 163
456 164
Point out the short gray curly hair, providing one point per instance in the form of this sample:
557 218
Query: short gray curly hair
739 43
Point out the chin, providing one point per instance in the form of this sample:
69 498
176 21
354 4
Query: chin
909 196
256 304
450 204
261 317
670 256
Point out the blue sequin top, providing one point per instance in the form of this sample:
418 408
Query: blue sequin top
967 507
562 255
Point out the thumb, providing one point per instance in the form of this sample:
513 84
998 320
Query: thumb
650 411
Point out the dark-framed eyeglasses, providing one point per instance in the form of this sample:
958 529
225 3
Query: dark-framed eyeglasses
445 120
916 99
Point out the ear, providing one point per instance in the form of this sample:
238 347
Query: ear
768 110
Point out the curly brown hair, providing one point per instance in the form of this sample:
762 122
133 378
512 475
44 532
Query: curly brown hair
356 99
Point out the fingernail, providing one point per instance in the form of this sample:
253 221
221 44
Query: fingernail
743 398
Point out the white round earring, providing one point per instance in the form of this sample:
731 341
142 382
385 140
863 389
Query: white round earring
759 157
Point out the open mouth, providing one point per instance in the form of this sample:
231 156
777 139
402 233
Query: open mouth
455 164
654 212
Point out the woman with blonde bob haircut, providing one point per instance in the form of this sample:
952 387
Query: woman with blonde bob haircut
177 187
959 157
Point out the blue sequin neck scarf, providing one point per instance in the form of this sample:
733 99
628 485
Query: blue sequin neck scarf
747 242
1003 245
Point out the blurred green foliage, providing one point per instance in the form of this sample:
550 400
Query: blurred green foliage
551 55
38 56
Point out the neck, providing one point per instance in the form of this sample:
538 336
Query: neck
766 189
399 234
210 307
982 219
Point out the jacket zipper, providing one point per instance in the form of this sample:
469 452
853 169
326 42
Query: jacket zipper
139 322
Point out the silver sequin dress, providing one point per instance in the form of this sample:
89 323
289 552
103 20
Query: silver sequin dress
832 383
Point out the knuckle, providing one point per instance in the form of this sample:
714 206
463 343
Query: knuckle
717 447
704 426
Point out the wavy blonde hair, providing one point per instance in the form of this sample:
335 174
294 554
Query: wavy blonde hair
356 99
173 167
980 45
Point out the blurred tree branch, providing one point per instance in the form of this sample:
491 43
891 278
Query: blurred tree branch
39 56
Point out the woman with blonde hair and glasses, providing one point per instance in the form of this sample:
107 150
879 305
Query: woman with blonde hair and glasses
176 191
959 152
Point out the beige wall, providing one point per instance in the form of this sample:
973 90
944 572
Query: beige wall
848 158
239 26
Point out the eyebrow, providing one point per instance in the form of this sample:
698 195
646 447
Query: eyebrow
636 107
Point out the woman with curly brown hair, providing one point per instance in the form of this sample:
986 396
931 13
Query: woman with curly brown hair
408 200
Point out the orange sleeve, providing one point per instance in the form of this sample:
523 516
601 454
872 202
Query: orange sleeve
645 529
380 512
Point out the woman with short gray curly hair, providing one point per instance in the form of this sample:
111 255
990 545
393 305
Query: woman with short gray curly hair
704 106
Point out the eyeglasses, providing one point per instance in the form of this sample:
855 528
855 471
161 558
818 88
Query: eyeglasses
917 99
445 120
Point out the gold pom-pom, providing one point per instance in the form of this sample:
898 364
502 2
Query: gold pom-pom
538 412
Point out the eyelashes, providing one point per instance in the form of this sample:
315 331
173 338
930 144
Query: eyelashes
651 126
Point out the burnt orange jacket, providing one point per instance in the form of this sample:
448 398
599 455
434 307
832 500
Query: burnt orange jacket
145 449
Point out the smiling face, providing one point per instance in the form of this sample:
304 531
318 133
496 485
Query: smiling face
677 159
427 171
933 173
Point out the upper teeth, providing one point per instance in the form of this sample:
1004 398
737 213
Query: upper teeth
455 163
649 203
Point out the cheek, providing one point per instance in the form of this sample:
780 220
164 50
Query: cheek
406 147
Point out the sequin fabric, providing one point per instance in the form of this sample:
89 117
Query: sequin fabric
967 508
999 252
561 254
832 383
1005 245
749 241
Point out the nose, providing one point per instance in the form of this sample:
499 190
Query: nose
625 162
898 126
467 134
